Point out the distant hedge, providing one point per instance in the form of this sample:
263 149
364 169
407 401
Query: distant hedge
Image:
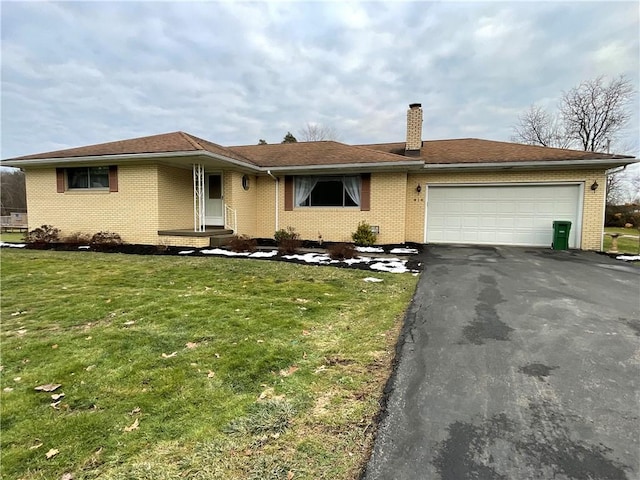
621 215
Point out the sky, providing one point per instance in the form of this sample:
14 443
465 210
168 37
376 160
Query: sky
80 73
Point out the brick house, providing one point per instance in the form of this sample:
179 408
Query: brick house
177 189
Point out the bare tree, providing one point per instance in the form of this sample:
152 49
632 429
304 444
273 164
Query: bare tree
13 193
537 127
589 117
594 113
623 186
314 132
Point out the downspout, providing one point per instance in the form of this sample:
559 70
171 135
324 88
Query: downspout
277 198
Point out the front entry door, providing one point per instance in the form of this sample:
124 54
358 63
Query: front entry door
214 211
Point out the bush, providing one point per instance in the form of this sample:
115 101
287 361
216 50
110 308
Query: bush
77 238
288 241
243 243
341 251
363 235
43 234
106 238
620 215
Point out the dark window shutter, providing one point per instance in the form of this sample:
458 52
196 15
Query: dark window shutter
288 192
60 180
113 178
365 193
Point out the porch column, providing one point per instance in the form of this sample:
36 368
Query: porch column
198 197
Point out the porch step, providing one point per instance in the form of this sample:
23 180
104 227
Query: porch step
213 232
220 240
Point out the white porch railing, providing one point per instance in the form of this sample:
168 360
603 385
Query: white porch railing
230 218
198 198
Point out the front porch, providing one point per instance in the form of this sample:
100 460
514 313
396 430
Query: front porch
210 236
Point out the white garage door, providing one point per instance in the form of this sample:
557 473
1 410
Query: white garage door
501 215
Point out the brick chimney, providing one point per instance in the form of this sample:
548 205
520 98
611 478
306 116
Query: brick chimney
414 130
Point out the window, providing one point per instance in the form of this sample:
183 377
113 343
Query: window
313 191
88 177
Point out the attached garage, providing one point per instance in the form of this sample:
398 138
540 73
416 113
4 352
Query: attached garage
502 214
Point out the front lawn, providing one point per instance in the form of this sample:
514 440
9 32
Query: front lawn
626 244
14 237
191 368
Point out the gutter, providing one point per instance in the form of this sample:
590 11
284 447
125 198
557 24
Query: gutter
106 159
547 164
277 198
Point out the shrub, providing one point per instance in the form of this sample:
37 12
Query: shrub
341 251
243 243
43 234
77 238
106 238
363 235
620 215
288 240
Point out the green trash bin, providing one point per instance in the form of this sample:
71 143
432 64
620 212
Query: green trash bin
561 230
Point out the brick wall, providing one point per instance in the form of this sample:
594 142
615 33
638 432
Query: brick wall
593 203
132 211
175 198
242 201
337 224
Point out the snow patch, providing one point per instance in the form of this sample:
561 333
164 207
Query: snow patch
84 247
370 249
269 254
12 245
228 253
392 267
400 251
372 279
185 252
628 258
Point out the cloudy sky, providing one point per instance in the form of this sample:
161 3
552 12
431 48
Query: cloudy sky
78 73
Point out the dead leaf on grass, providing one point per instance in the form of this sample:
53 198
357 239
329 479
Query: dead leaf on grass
7 389
260 341
164 355
67 476
211 374
54 346
22 331
17 379
266 394
289 475
306 332
302 300
49 387
134 426
134 411
55 405
321 368
90 367
289 371
191 345
57 396
52 453
217 355
130 322
38 445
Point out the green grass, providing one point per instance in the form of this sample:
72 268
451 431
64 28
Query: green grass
625 244
15 237
277 368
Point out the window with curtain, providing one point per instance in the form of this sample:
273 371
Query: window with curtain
88 177
329 191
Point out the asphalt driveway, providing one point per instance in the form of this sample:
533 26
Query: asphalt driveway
516 364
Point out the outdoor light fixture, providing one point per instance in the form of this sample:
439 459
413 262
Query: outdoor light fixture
418 188
594 186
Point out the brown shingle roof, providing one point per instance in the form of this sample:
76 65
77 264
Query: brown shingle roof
315 154
163 143
473 150
330 153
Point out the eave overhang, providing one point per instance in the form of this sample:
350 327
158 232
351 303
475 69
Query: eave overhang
604 163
